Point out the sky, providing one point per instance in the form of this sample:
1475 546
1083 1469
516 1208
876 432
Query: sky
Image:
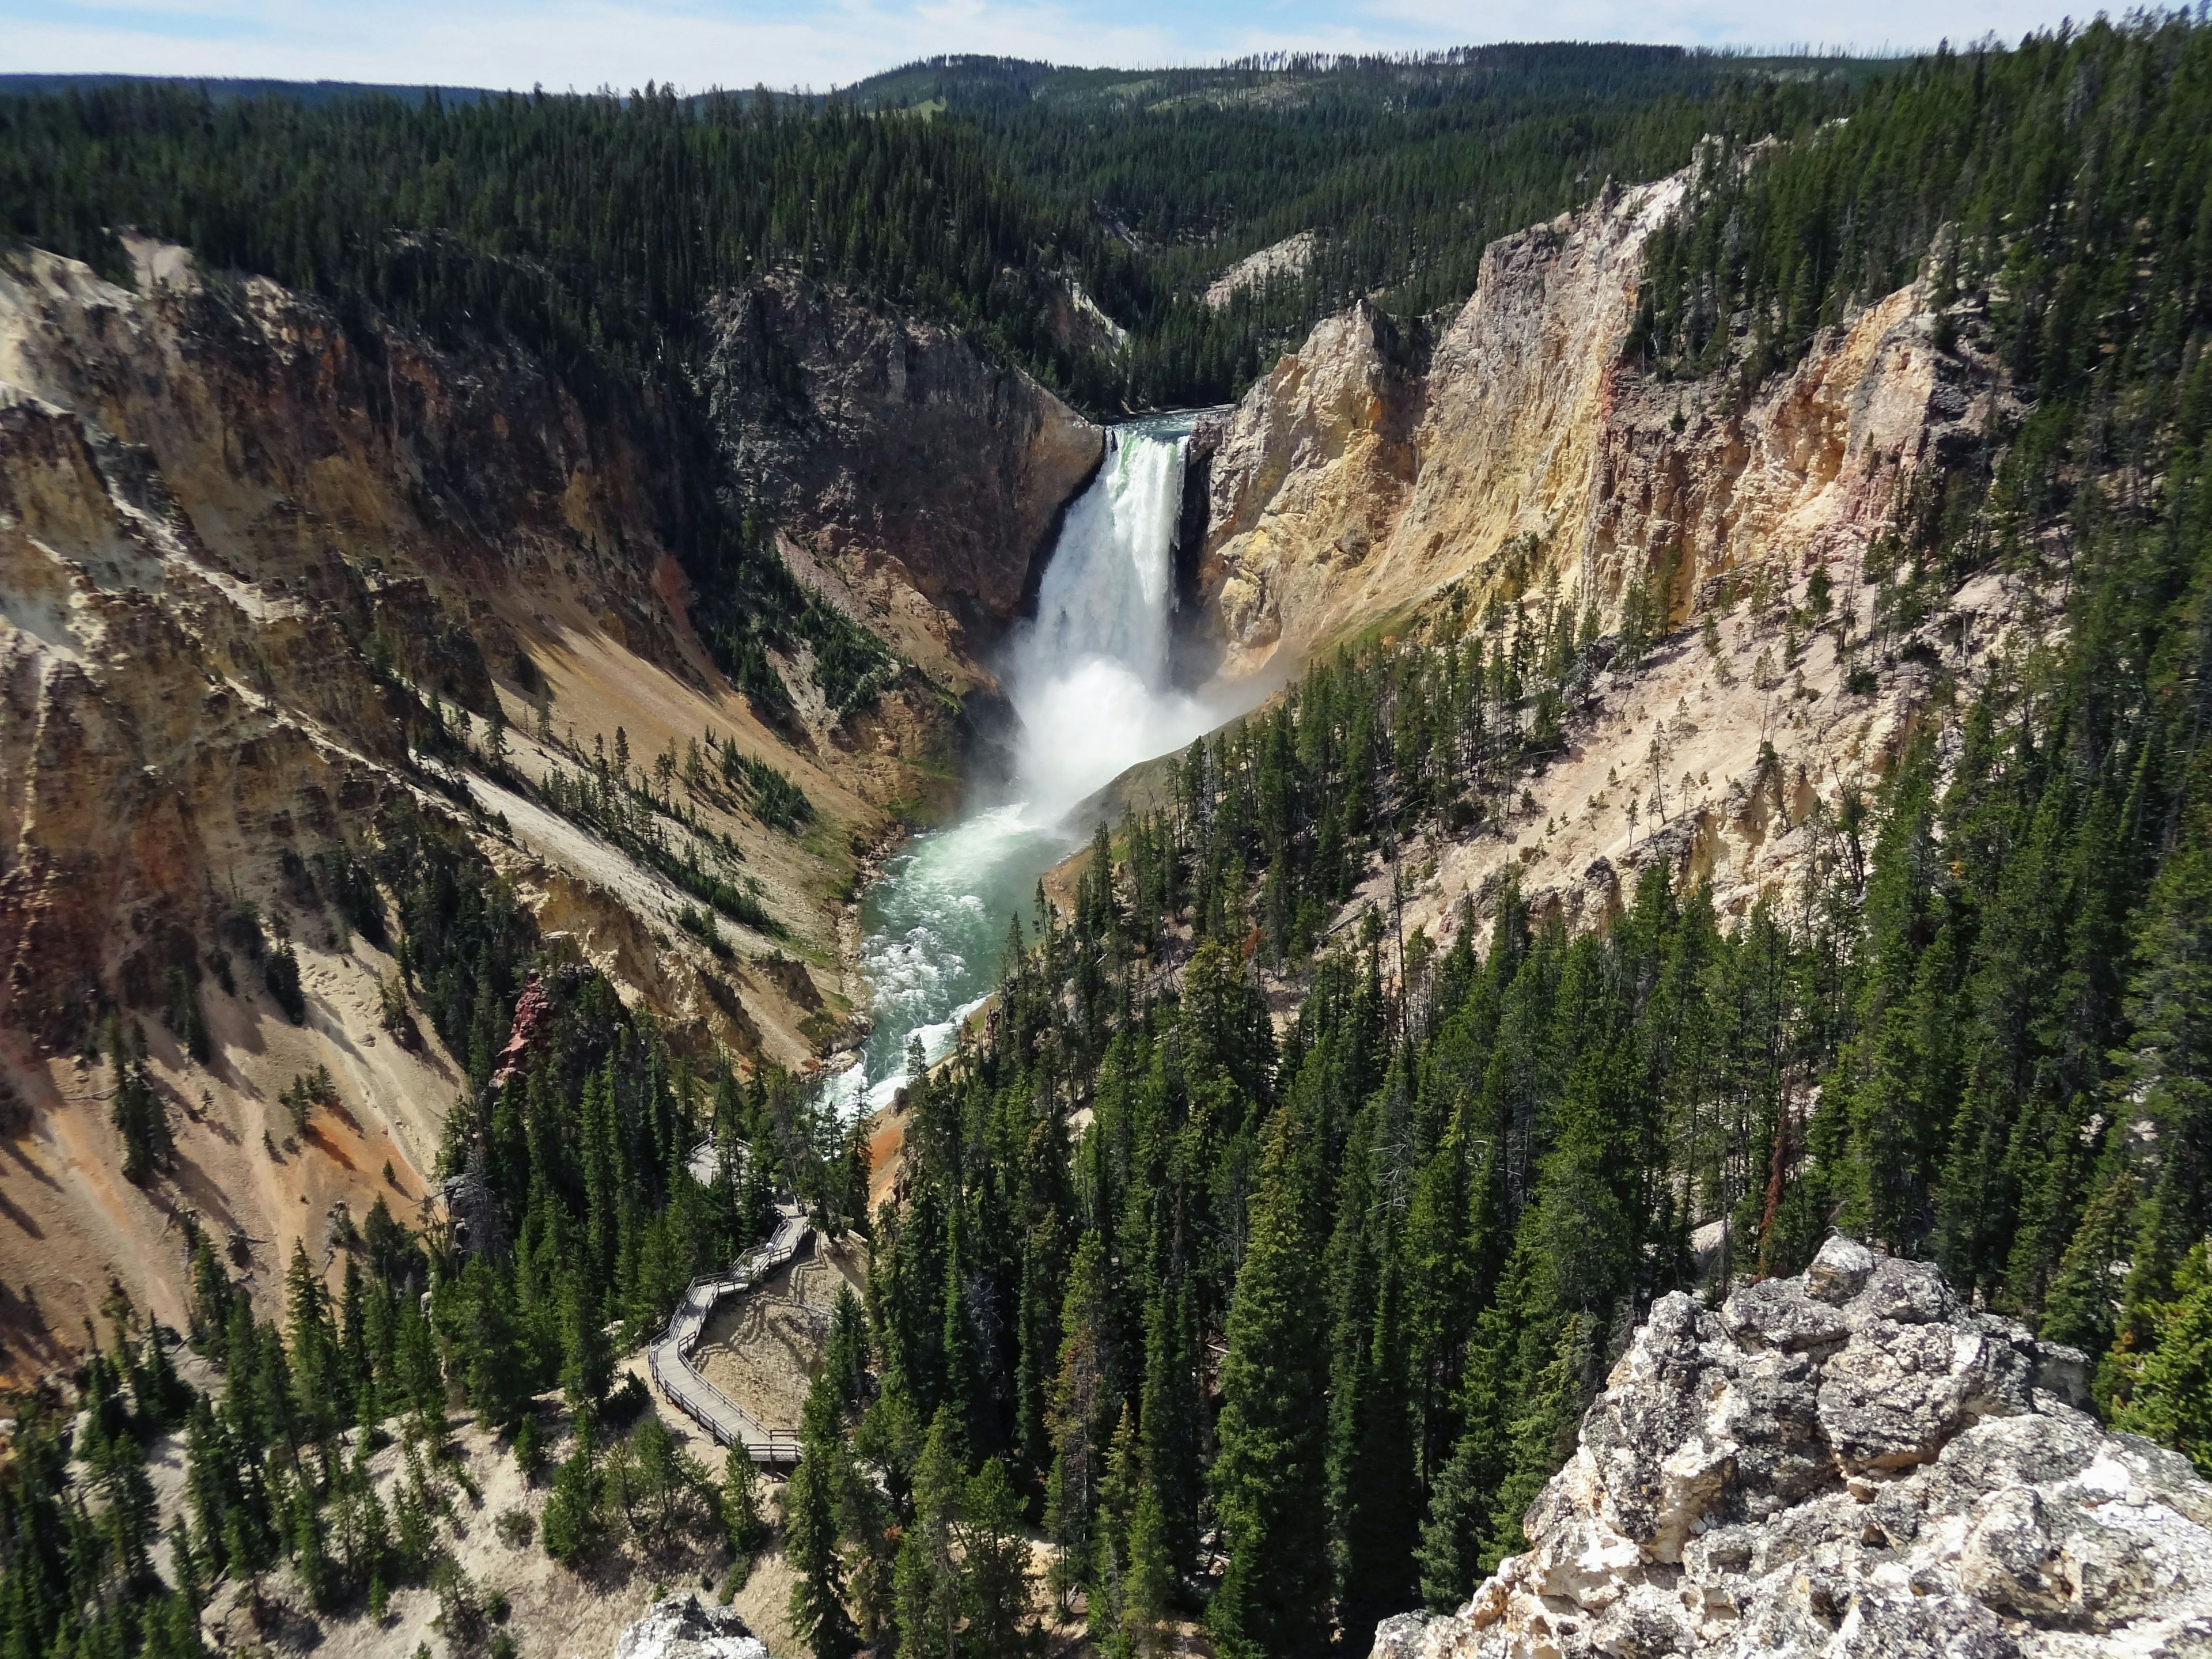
696 43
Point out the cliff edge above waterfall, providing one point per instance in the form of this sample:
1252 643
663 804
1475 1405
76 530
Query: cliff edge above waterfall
1849 1462
916 482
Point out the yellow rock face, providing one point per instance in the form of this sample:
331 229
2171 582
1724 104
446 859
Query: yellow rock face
1346 486
238 542
1373 483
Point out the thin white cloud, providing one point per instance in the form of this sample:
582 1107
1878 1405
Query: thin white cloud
1859 25
587 43
582 43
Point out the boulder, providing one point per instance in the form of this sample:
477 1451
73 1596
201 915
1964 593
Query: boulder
1852 1464
683 1627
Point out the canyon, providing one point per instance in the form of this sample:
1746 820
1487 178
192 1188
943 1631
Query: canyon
243 545
249 551
1428 824
247 547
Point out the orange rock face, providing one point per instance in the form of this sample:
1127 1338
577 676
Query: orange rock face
244 546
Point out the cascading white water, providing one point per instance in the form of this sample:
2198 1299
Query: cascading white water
1089 678
1090 675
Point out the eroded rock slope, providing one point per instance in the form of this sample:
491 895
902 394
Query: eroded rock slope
914 481
1375 483
1362 475
247 547
1845 1463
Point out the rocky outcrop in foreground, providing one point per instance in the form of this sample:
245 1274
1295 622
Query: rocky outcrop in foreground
1847 1463
679 1628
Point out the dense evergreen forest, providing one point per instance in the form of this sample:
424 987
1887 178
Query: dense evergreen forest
590 228
1281 1328
1405 168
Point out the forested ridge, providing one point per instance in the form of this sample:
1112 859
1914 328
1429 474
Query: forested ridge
1287 1333
1405 168
591 227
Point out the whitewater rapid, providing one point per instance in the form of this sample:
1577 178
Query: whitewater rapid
1089 677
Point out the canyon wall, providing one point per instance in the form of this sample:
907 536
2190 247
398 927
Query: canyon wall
1356 480
915 481
246 546
1373 484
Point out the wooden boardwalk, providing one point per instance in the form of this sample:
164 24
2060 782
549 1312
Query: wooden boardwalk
670 1357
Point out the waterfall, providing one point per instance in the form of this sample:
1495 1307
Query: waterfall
1089 678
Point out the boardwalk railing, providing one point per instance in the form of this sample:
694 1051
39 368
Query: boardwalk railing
669 1358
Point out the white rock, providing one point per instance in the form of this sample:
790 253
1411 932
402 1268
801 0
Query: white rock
680 1627
1759 1482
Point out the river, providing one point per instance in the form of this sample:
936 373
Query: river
1089 678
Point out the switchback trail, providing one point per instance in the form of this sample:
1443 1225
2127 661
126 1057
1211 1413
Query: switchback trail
669 1357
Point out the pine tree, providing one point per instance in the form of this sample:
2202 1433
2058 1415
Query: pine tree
2166 1076
2169 1384
308 1558
845 1355
137 1111
129 1520
995 1562
570 1523
1272 1601
1381 1529
1083 1392
1896 1085
1170 1419
422 1383
586 1362
490 1361
314 1345
817 1615
280 972
1148 1577
1543 1432
741 1514
1036 1355
928 1574
1125 1476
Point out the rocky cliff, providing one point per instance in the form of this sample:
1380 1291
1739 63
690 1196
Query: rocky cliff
917 482
1845 1463
679 1628
1358 477
247 547
1377 482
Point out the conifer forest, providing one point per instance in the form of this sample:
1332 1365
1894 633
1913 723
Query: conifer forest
1252 1258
